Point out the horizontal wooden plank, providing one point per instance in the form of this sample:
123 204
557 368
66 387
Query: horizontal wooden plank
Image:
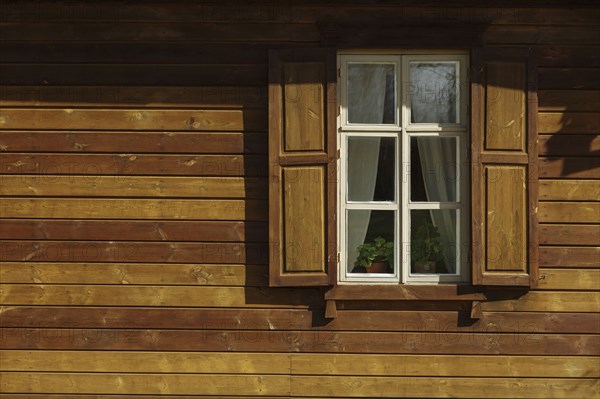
537 301
121 186
569 234
130 142
569 122
569 100
569 256
164 31
585 145
62 208
511 34
569 212
298 364
451 387
133 97
128 295
133 274
438 343
133 252
568 167
139 230
150 362
133 119
51 317
133 74
568 78
568 56
569 190
165 384
135 164
569 279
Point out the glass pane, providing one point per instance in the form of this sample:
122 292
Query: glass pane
371 93
433 241
434 169
370 241
371 168
433 92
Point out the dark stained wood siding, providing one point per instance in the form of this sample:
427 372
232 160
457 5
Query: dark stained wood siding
134 215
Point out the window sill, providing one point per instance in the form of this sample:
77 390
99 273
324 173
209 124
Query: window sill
444 292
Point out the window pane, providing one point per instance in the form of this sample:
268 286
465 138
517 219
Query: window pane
370 241
371 168
433 92
433 241
434 169
371 93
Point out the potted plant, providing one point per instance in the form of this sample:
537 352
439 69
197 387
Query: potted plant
374 257
426 248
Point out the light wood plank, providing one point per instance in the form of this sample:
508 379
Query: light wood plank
122 186
129 295
447 366
133 119
569 279
569 167
132 274
570 234
62 208
145 362
163 384
506 219
569 190
569 100
391 387
505 107
577 257
537 301
303 106
569 212
304 219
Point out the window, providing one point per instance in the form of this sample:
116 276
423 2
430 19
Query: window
400 131
403 192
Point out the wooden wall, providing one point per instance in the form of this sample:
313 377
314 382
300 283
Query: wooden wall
134 207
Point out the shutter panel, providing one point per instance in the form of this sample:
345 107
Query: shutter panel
302 173
504 168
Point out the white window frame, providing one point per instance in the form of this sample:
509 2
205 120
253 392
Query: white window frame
403 130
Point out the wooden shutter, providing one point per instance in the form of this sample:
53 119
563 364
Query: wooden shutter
302 174
504 168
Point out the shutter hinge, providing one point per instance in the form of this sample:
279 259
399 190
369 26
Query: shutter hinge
337 156
338 257
339 72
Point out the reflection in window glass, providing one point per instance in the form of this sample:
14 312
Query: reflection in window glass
371 93
371 168
370 241
433 169
433 92
434 243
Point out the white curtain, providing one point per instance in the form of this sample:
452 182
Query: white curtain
439 169
433 100
366 103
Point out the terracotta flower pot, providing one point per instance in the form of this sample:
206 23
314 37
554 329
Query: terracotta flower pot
378 267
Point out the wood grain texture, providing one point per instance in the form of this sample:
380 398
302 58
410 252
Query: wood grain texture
296 363
121 186
133 274
569 122
569 145
570 212
506 220
569 190
569 168
536 301
55 208
304 221
140 119
130 143
569 78
569 100
130 97
440 343
125 230
412 319
570 256
505 107
570 234
137 164
569 279
129 295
